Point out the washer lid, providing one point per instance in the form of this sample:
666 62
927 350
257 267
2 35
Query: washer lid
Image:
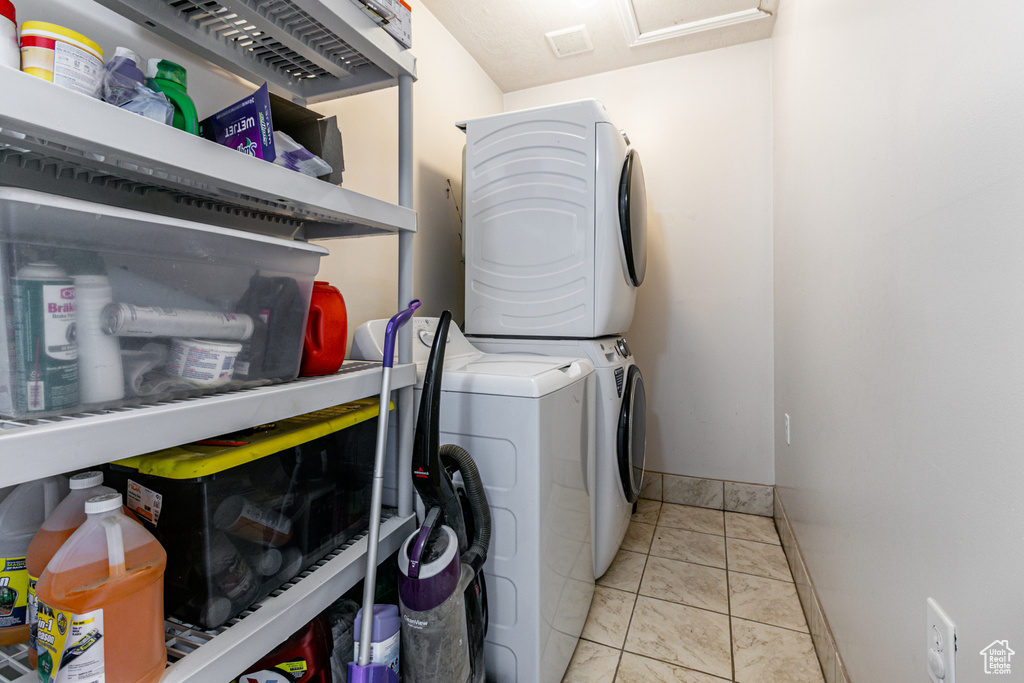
514 374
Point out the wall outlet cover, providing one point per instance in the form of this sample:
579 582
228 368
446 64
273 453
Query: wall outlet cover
941 645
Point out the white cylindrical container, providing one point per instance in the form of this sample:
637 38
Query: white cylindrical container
203 362
10 54
62 56
100 377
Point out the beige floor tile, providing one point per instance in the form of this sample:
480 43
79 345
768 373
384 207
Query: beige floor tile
768 654
609 615
691 584
636 669
638 537
625 571
647 511
751 528
692 519
592 663
689 546
765 600
761 559
678 634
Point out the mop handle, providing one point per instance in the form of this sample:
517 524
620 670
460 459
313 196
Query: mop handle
373 536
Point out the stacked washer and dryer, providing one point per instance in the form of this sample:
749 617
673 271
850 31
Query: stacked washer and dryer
555 240
545 397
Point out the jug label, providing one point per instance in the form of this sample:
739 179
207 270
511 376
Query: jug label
70 646
13 592
144 502
33 622
286 672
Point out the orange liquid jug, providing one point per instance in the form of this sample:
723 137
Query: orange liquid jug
57 528
101 602
23 509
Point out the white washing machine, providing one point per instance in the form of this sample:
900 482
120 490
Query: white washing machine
555 223
621 429
528 421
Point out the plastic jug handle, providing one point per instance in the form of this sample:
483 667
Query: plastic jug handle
51 494
115 545
316 327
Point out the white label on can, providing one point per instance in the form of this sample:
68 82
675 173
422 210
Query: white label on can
35 394
144 502
76 69
59 322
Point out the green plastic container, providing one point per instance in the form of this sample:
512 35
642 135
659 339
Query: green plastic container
172 80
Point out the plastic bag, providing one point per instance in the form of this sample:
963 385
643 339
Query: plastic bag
122 90
291 154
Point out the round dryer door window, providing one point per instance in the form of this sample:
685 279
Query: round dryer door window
633 217
632 437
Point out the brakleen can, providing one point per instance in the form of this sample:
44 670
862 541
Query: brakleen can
45 338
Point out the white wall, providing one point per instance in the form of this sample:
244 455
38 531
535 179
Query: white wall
702 333
899 263
450 87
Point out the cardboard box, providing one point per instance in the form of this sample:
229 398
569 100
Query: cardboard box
319 135
394 16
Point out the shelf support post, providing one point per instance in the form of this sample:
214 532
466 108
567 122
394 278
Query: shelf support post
406 404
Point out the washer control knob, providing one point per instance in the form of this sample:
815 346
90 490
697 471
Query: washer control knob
622 348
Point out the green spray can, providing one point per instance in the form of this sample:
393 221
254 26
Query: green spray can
45 338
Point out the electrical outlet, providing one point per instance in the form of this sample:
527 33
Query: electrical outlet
787 429
941 645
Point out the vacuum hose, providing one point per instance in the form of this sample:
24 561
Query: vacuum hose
477 553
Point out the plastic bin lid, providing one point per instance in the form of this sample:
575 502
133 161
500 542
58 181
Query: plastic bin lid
195 460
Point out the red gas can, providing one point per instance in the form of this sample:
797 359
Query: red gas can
303 658
323 349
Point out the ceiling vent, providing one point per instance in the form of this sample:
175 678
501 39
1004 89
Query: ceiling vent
570 41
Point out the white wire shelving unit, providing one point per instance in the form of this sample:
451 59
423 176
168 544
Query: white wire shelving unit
79 147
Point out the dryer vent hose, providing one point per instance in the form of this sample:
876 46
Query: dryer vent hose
463 462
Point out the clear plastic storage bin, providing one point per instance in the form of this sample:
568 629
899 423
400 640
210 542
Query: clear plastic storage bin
106 306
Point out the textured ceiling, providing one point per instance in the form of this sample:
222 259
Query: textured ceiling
506 37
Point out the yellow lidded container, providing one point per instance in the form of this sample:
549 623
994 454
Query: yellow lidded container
61 56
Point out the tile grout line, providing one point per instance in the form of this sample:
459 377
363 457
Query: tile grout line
728 599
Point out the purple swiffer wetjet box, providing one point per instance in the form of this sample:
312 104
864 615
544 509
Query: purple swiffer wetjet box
245 126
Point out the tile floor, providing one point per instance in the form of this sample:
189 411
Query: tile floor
696 596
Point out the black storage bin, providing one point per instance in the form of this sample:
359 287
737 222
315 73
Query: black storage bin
243 514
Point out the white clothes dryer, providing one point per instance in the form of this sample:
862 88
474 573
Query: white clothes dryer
528 421
555 223
621 429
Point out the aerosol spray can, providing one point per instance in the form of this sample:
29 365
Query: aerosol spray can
45 338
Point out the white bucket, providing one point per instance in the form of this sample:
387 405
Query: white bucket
202 362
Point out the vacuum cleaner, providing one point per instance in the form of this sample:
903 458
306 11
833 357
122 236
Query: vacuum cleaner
442 595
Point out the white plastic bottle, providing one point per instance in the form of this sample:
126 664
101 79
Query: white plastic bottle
23 509
57 528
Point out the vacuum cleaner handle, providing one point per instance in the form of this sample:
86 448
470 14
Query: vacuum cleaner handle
391 333
431 523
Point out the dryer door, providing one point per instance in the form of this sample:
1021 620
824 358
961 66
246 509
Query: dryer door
633 216
632 436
